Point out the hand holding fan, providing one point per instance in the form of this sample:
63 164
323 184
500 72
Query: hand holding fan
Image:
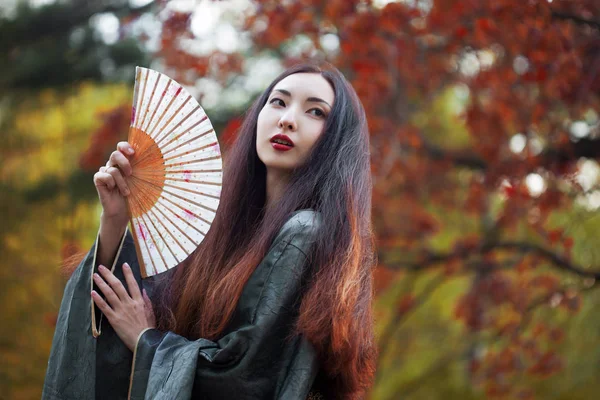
177 170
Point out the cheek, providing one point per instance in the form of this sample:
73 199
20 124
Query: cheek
315 133
264 123
259 124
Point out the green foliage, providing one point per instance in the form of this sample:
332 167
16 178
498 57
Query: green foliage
55 45
484 289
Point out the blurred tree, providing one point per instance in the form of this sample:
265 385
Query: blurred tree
485 141
59 77
57 44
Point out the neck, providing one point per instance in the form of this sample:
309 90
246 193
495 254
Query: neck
277 181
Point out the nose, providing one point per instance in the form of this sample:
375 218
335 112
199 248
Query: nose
288 121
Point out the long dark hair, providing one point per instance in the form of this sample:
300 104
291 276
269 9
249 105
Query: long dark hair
335 312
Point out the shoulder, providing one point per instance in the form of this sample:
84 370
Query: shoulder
300 229
303 222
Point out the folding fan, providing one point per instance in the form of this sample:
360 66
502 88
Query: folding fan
177 170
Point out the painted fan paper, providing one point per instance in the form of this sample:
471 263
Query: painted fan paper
177 172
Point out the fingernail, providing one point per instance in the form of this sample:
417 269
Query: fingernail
126 266
130 151
96 275
101 267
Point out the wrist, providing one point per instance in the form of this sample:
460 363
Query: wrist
134 342
116 222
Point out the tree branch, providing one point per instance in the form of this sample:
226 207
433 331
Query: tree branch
576 19
556 260
587 148
464 158
400 317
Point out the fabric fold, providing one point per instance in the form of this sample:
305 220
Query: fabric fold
97 321
256 358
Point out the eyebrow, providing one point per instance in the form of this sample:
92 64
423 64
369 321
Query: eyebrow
312 99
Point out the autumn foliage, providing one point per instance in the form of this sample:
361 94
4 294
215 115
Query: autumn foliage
516 75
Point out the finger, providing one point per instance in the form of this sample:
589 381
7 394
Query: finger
104 179
149 310
102 305
119 180
147 301
125 148
110 295
132 285
114 283
118 159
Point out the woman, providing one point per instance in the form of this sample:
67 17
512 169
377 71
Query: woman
274 303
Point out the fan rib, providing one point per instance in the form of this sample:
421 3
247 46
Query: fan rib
163 240
188 152
137 203
183 221
164 146
176 226
188 212
144 185
138 206
139 109
157 107
153 186
148 175
193 181
144 241
212 196
151 235
179 124
183 198
149 104
162 115
192 162
149 190
207 171
151 154
179 216
148 159
159 133
167 122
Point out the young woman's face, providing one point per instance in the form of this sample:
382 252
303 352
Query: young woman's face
296 109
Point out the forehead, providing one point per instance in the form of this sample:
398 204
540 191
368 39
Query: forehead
307 85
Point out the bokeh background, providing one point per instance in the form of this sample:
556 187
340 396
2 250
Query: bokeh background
485 140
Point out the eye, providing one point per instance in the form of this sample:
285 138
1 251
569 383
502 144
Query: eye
277 101
317 112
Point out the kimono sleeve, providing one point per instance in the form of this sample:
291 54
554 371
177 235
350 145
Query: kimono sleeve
254 360
72 362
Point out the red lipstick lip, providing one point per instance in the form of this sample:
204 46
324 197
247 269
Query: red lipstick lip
282 137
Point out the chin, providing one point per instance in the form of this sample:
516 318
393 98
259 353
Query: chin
283 167
275 164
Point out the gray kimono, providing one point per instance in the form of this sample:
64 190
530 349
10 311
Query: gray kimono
252 360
